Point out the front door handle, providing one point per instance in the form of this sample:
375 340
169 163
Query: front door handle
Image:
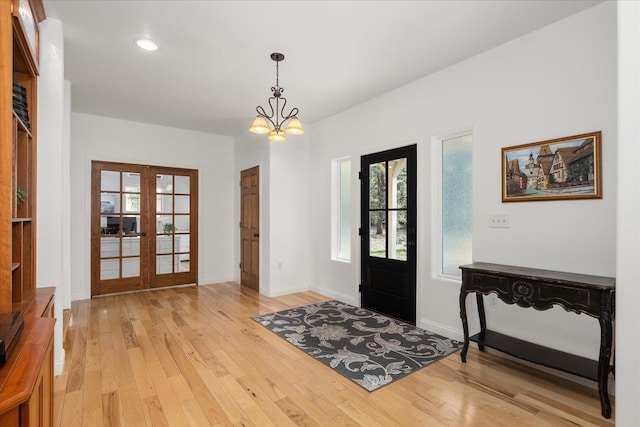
256 234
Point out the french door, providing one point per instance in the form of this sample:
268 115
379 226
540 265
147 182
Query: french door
388 232
144 227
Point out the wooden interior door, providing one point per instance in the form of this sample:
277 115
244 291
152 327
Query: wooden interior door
174 230
250 228
118 232
144 227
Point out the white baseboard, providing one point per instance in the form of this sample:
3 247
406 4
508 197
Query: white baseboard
441 329
58 365
288 291
337 295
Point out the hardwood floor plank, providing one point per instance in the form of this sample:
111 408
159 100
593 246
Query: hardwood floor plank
192 356
71 414
208 403
109 379
193 412
131 405
296 414
111 409
92 400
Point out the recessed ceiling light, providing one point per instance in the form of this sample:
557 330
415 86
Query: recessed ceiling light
146 44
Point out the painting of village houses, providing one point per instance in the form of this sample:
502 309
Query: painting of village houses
564 168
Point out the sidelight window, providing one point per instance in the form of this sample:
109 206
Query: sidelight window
455 202
341 195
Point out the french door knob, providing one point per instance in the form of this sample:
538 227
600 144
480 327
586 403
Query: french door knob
144 234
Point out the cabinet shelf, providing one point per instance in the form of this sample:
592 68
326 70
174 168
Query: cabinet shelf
20 220
22 127
538 354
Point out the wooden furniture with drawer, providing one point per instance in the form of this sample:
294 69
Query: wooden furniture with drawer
26 379
541 289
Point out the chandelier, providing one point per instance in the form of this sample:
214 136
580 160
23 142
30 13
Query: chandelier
274 123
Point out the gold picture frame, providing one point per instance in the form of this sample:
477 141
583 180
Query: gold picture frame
557 169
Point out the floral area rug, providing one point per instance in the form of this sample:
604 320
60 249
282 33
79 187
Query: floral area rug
370 349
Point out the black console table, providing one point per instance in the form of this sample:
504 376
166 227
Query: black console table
541 289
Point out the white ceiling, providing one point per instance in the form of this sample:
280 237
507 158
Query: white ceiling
213 66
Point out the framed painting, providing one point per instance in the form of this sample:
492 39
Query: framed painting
557 169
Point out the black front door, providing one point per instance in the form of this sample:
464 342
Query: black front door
388 232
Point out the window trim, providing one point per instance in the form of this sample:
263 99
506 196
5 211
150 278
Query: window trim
336 205
436 179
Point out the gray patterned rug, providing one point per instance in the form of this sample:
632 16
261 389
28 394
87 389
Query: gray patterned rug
368 348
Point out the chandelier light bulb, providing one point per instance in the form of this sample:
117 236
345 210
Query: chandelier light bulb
260 125
277 136
294 127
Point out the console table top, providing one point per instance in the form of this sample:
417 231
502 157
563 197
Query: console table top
582 280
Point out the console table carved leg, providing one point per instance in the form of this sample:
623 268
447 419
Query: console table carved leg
465 325
604 362
483 320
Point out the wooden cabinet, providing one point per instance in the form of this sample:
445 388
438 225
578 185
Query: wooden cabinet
26 378
18 117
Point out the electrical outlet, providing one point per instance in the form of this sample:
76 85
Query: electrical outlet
499 221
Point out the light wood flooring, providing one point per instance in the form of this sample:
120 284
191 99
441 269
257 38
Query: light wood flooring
193 357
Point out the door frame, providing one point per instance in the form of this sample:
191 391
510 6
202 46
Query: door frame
411 152
147 279
256 233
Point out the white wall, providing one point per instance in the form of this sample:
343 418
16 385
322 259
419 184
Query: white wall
628 234
290 225
52 200
285 248
557 81
250 151
100 138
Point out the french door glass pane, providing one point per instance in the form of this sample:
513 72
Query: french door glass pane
173 223
164 183
182 204
109 247
164 245
131 246
164 203
398 235
398 183
182 265
377 234
164 224
109 269
182 184
110 181
131 203
130 267
163 264
377 186
109 202
388 201
131 182
182 223
119 255
130 224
